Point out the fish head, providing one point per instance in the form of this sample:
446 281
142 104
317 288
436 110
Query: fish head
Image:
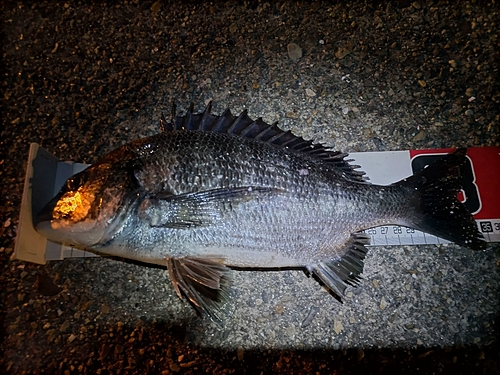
91 206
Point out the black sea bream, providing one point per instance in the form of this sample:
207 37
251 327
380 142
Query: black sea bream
211 192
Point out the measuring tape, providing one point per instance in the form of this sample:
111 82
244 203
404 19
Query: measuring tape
393 235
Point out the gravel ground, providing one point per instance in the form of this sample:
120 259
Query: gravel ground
82 79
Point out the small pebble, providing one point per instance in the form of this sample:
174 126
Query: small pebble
279 308
383 304
310 92
294 51
342 52
64 327
310 316
337 326
420 136
240 352
360 355
156 7
175 367
290 330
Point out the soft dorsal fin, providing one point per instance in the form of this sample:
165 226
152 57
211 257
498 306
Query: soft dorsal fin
258 129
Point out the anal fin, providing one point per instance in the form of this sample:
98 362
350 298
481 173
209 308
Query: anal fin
338 274
202 280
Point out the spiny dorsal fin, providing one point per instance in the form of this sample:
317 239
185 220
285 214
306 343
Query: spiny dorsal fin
246 127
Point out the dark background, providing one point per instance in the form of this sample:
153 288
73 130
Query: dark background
82 78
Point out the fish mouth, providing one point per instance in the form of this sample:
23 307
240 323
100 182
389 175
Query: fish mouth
45 229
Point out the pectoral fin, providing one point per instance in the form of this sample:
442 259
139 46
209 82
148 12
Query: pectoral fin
339 273
199 208
202 281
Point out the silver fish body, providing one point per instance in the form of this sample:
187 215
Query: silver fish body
211 192
289 210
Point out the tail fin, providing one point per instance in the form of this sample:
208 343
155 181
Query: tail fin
438 211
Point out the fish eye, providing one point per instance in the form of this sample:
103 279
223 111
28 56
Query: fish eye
73 183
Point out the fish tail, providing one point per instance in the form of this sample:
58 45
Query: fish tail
437 208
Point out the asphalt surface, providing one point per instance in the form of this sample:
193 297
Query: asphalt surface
82 78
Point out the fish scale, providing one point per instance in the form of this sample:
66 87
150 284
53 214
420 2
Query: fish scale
212 192
235 173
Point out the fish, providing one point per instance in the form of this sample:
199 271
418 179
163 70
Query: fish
211 193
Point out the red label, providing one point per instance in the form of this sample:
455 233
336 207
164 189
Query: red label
481 191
